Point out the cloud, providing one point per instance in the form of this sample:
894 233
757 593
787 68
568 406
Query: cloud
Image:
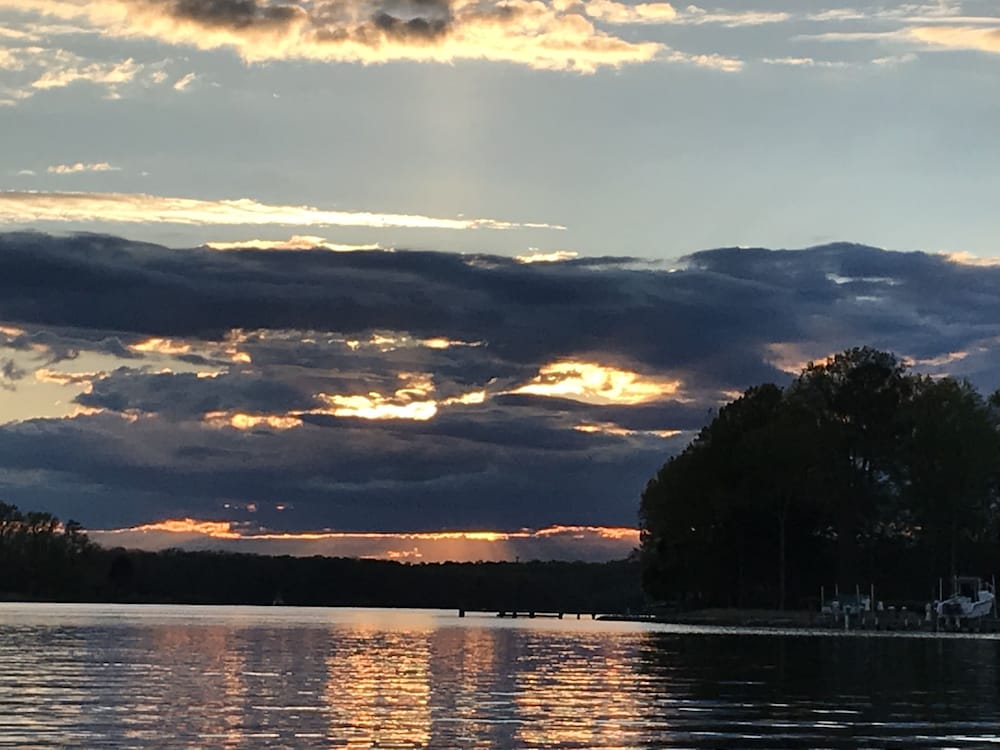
111 75
421 391
595 383
295 242
9 373
614 12
622 13
36 206
699 16
35 68
184 83
79 167
959 37
809 62
527 32
713 61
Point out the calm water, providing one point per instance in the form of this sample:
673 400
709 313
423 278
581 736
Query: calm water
241 677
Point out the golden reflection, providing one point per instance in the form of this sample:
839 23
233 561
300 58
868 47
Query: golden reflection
589 701
594 383
378 688
222 670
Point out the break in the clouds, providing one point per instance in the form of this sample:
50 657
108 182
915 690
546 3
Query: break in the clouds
367 397
27 207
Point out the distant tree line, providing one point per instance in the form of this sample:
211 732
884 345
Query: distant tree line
859 472
43 559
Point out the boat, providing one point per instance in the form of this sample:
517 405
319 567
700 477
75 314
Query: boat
971 599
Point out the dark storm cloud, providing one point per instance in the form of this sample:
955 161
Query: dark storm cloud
186 395
353 325
527 313
236 14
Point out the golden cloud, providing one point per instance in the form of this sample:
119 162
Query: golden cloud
244 421
610 428
32 206
594 383
377 406
535 33
959 37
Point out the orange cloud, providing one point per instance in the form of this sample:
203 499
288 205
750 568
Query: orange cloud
610 428
594 383
214 529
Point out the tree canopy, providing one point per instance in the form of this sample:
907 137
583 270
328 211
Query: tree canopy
858 472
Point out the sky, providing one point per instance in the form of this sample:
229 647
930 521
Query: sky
447 279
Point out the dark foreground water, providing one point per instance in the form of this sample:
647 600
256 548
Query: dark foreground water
241 677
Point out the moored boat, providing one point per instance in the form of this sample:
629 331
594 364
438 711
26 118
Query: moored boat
971 599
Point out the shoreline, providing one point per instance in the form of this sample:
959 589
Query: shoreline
889 620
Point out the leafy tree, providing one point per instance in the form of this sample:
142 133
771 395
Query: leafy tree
856 400
891 471
952 463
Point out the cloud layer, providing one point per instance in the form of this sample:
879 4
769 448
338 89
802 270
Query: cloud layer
130 208
419 391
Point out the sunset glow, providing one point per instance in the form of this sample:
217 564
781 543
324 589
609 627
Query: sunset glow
426 546
594 383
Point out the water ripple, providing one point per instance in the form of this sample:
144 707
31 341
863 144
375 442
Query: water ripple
164 677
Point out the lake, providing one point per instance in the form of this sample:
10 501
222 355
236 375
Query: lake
126 676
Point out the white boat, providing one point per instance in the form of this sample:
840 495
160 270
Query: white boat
972 598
